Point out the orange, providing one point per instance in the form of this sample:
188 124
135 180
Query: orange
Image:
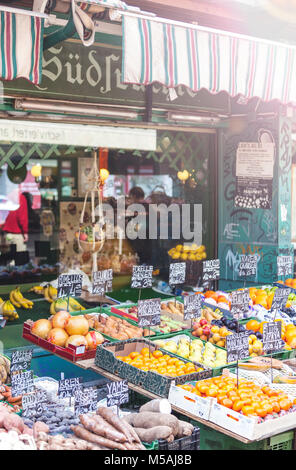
145 351
133 355
280 282
248 410
237 405
212 392
127 359
285 404
261 411
166 357
276 407
203 389
226 402
157 354
289 282
253 325
209 293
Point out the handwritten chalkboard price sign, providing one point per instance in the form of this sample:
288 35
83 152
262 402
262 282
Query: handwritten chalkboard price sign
68 387
211 270
280 298
192 306
177 274
240 300
86 401
248 266
142 277
102 282
272 337
149 312
21 359
118 393
69 285
34 403
285 266
237 346
22 382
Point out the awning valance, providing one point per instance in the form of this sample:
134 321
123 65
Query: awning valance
21 42
196 57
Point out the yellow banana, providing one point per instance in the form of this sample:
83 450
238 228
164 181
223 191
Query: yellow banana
46 295
13 299
52 309
52 292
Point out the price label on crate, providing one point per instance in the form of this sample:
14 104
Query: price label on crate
177 273
69 285
118 393
68 387
272 337
285 266
280 298
240 300
86 401
102 282
192 306
21 359
237 346
22 382
141 277
248 265
149 312
34 403
211 270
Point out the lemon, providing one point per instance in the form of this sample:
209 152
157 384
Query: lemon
191 257
179 248
203 255
184 256
186 248
197 257
176 255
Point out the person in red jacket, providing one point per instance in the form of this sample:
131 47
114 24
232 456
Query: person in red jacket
16 225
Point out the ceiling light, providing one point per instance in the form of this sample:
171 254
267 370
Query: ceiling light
69 108
193 118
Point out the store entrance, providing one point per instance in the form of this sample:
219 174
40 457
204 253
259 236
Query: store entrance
181 171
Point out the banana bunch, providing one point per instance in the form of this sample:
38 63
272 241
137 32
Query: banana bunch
4 369
62 304
18 300
50 293
8 311
37 290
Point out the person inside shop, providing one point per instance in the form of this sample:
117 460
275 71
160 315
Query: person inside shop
136 195
16 225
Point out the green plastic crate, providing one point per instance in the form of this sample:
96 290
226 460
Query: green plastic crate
215 440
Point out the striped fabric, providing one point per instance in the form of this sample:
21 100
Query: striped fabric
175 55
107 3
21 46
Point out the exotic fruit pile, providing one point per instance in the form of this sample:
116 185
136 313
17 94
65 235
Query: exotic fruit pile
249 399
188 252
62 330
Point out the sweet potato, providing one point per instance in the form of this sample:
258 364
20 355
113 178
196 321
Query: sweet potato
158 405
38 427
118 423
82 433
148 419
152 434
98 426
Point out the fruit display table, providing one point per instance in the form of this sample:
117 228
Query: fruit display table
90 365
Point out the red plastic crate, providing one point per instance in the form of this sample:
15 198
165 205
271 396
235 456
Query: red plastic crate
67 353
117 310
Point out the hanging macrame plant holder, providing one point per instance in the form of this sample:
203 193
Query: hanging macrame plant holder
95 231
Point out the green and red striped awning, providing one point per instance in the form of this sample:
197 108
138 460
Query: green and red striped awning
196 57
21 42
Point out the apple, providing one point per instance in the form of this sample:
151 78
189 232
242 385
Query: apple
206 331
83 236
196 325
203 322
199 331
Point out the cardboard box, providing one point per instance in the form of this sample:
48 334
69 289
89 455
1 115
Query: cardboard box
151 381
247 426
187 401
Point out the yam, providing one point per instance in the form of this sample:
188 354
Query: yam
13 421
158 405
152 434
185 429
38 427
148 419
82 433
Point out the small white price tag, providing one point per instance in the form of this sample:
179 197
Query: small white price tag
80 350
